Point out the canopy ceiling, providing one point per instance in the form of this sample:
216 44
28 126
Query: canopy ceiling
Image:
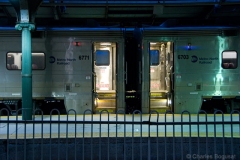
128 13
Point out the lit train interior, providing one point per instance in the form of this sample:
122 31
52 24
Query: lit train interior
104 76
161 63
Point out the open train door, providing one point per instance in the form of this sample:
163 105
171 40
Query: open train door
161 84
157 74
108 71
104 71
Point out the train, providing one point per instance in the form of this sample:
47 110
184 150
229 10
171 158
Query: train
149 69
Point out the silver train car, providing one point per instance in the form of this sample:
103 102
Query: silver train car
191 69
145 69
70 70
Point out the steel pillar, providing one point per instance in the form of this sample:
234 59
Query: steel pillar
27 109
26 10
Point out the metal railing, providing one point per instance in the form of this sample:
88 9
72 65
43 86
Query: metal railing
120 136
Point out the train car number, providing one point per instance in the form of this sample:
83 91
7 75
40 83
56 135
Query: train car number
83 57
183 57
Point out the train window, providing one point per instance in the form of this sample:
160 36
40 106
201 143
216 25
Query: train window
229 59
154 57
102 58
14 61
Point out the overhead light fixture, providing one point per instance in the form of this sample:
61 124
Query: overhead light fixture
153 43
106 44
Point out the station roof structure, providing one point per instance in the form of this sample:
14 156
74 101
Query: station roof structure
128 13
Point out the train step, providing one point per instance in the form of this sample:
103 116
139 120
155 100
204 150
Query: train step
162 109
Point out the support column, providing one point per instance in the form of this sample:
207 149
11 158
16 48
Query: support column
27 108
26 10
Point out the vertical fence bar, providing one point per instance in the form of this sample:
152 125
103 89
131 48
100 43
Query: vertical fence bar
58 150
190 133
182 136
50 136
83 136
198 134
133 120
33 122
8 135
206 120
198 131
83 133
75 131
132 137
100 136
149 146
231 118
75 135
215 149
149 135
135 112
58 131
165 134
189 120
25 143
116 134
116 130
67 135
108 136
157 136
173 137
124 138
157 128
8 114
16 140
238 124
42 153
215 131
83 142
141 136
223 135
92 137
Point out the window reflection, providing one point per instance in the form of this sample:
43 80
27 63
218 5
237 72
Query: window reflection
229 59
14 61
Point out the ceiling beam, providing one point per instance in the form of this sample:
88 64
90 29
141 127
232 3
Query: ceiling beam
6 12
25 9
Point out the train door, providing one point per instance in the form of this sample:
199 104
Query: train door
161 65
104 70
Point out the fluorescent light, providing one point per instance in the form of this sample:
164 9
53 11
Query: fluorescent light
106 44
153 43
